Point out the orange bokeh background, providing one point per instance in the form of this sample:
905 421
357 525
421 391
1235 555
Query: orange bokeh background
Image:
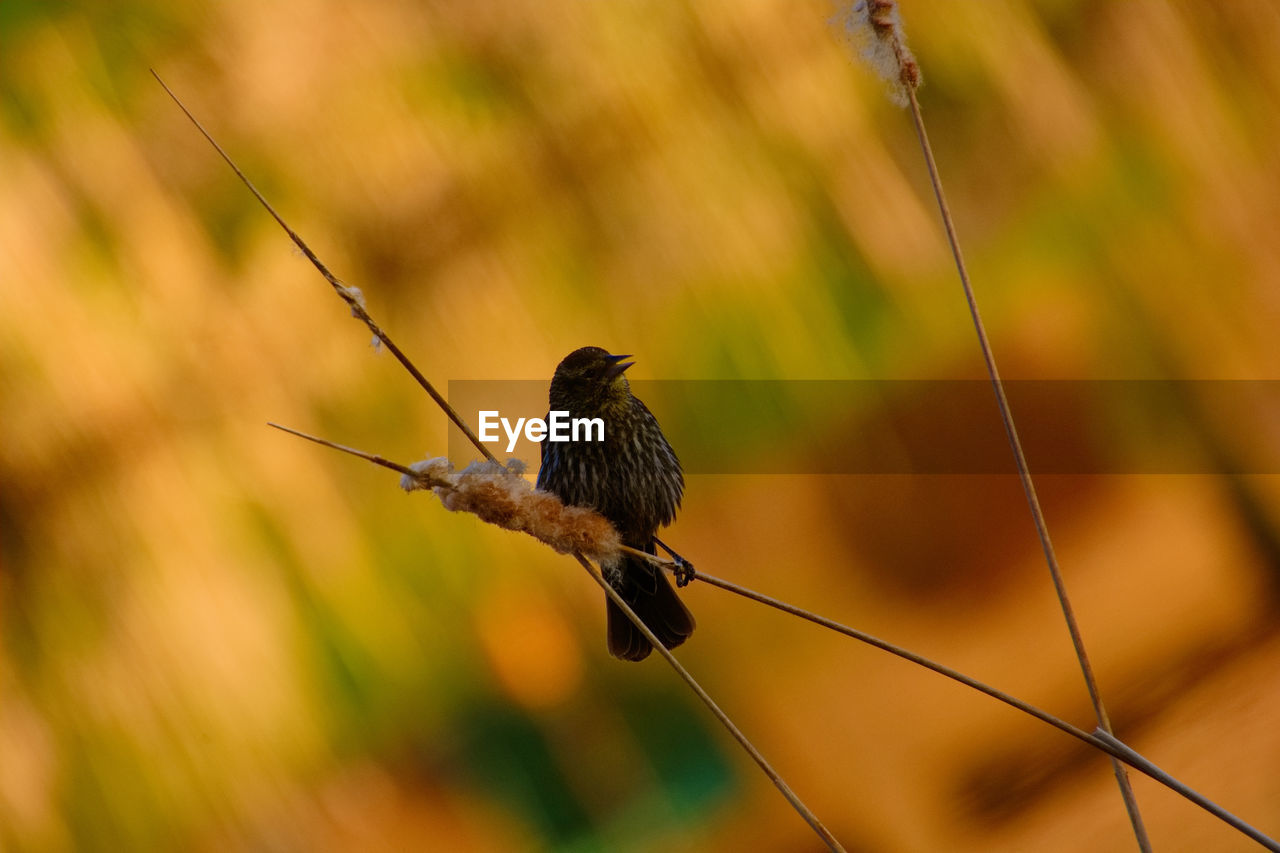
215 636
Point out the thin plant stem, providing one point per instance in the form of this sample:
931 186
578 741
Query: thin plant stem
1098 739
791 796
368 457
1024 474
350 296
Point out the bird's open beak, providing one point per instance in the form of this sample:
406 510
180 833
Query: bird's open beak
618 367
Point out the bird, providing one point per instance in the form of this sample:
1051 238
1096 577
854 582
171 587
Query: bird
633 478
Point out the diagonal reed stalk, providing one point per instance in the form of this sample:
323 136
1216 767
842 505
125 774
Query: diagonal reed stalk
1101 739
349 295
1024 474
756 756
876 27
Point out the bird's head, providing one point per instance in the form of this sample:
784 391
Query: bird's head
590 380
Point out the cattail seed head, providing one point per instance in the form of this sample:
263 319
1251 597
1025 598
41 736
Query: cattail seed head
498 495
874 29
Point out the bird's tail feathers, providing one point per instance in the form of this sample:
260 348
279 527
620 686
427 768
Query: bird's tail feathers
646 589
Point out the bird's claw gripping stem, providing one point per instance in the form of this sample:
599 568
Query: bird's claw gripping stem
684 572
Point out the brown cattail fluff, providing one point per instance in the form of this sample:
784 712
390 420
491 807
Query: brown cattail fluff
500 496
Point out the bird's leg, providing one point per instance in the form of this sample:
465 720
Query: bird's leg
684 569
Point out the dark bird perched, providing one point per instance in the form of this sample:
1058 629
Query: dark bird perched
632 478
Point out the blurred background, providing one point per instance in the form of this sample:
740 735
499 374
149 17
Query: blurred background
214 636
